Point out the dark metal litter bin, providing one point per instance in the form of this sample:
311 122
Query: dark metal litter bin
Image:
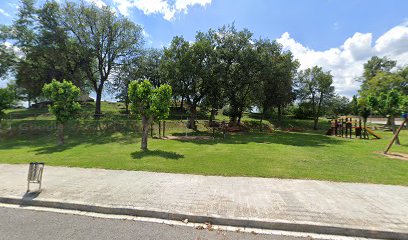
35 172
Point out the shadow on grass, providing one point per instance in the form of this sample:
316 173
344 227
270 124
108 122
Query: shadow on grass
72 142
278 137
54 148
156 153
193 133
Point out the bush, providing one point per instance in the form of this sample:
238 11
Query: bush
303 111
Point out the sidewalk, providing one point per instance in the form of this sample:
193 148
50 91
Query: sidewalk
364 210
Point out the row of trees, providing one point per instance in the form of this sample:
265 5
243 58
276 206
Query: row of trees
227 68
97 49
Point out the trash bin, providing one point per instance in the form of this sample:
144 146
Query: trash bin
35 172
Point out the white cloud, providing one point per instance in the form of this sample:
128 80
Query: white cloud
13 5
145 34
98 3
16 50
147 37
4 13
346 61
164 7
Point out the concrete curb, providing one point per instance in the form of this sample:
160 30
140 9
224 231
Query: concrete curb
248 223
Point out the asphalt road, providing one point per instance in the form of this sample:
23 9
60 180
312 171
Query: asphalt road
29 224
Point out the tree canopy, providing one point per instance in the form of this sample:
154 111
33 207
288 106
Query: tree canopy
149 103
64 106
106 40
316 87
7 98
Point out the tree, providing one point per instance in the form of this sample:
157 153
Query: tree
388 104
210 70
23 36
176 67
23 29
149 66
144 66
354 107
276 74
315 86
106 38
403 84
54 55
41 49
7 98
64 106
121 81
238 68
339 106
8 57
188 67
377 64
384 92
374 66
150 104
203 77
384 82
58 51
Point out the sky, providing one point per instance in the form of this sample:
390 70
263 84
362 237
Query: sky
338 35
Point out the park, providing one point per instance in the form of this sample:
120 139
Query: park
309 154
127 129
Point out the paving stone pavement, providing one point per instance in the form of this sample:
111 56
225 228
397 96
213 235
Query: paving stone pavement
352 205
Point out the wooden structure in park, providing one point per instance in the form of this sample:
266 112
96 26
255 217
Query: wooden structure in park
405 117
349 126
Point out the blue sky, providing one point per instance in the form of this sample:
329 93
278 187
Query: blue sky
338 35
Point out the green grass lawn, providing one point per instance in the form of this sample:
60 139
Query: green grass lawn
305 155
308 155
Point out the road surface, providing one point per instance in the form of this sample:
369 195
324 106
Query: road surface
18 223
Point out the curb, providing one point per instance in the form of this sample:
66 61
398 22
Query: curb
247 223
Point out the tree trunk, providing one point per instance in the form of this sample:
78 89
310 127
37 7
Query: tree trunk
60 134
317 112
315 122
145 132
397 141
182 104
127 105
264 109
159 129
193 117
233 120
239 117
29 100
98 102
164 128
212 116
279 112
260 122
389 122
